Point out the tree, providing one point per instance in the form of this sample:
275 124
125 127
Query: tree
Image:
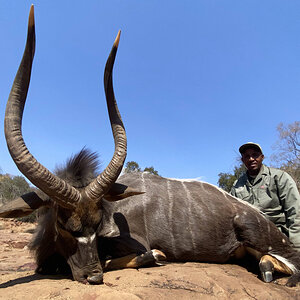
12 187
226 180
151 170
132 166
287 155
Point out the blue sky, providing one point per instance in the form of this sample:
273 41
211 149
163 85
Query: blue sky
193 79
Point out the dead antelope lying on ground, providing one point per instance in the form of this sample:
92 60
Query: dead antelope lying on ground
83 229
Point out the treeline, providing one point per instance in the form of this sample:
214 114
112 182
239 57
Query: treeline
12 187
133 166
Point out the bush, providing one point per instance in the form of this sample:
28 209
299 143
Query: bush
12 187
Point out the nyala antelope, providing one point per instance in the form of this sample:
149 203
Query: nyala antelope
90 223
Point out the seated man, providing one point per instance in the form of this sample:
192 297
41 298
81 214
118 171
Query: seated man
272 191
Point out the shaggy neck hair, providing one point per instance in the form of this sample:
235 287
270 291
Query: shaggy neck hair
80 169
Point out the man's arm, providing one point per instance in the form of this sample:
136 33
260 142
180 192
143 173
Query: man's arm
290 198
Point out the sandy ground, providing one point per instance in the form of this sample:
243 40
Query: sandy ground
172 281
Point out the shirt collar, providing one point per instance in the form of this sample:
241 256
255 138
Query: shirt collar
262 171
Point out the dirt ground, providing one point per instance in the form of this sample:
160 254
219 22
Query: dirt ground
172 281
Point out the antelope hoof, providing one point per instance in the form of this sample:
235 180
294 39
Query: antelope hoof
152 257
293 280
266 268
158 255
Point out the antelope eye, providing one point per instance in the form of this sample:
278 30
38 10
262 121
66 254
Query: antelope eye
77 234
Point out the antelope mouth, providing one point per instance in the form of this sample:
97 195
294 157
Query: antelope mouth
95 279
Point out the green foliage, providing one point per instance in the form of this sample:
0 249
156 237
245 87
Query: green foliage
151 170
12 187
132 166
226 180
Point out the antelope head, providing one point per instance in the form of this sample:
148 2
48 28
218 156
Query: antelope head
76 211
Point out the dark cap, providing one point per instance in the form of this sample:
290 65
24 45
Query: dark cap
248 145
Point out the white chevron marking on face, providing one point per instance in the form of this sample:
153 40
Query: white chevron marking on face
86 240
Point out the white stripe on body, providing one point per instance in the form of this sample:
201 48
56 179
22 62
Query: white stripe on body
144 200
216 187
170 217
189 199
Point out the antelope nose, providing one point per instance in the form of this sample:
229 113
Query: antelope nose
95 279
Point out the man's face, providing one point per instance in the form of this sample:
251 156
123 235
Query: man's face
252 159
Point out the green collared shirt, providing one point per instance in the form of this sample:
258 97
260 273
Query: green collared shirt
275 193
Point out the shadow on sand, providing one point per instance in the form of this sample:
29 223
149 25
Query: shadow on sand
30 278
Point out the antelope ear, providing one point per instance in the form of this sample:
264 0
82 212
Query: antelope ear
120 191
24 205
